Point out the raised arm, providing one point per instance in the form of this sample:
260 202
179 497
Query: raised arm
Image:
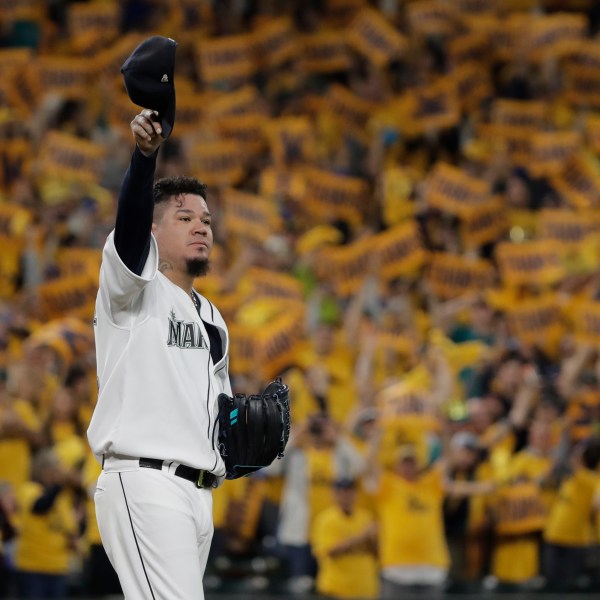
463 489
136 203
371 477
572 367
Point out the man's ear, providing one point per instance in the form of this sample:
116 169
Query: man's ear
153 226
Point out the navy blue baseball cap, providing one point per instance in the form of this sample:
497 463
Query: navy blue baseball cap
345 483
149 75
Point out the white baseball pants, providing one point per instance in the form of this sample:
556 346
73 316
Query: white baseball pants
156 529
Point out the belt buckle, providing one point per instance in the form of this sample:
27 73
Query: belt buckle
200 480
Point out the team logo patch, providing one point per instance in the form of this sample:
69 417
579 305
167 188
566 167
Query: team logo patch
184 334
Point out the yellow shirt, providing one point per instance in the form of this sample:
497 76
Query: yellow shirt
408 416
237 505
341 400
570 520
339 364
516 560
229 491
43 542
533 467
321 476
305 404
351 575
405 431
519 509
15 453
48 386
364 499
62 430
529 465
480 503
500 451
85 413
71 451
411 528
520 514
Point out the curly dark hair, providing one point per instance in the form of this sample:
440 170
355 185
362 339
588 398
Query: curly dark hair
170 187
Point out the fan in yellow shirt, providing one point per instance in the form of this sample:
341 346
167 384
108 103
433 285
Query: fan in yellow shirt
412 544
317 455
48 529
521 507
328 362
569 529
536 460
19 430
344 546
519 519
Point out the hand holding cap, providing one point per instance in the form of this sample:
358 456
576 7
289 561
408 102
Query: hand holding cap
149 76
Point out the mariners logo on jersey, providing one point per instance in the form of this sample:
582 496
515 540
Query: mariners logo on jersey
184 334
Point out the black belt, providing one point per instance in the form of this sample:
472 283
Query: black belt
200 478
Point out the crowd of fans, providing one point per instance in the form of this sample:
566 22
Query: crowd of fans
406 198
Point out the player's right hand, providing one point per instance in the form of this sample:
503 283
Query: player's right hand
146 131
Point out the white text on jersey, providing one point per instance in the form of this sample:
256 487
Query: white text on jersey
184 334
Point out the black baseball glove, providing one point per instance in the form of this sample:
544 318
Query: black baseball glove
253 430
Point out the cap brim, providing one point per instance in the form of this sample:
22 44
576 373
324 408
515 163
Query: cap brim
167 119
344 484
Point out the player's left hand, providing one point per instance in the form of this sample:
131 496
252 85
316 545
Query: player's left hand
146 131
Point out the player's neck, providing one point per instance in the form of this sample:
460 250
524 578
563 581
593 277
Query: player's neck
179 278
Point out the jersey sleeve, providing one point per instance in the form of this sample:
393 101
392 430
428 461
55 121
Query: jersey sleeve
135 211
119 286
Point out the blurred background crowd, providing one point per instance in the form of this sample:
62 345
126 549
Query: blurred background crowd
407 205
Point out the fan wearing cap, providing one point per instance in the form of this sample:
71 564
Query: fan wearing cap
569 531
464 517
344 544
162 360
48 527
319 454
412 545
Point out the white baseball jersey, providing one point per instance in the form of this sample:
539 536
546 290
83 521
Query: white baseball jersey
158 386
